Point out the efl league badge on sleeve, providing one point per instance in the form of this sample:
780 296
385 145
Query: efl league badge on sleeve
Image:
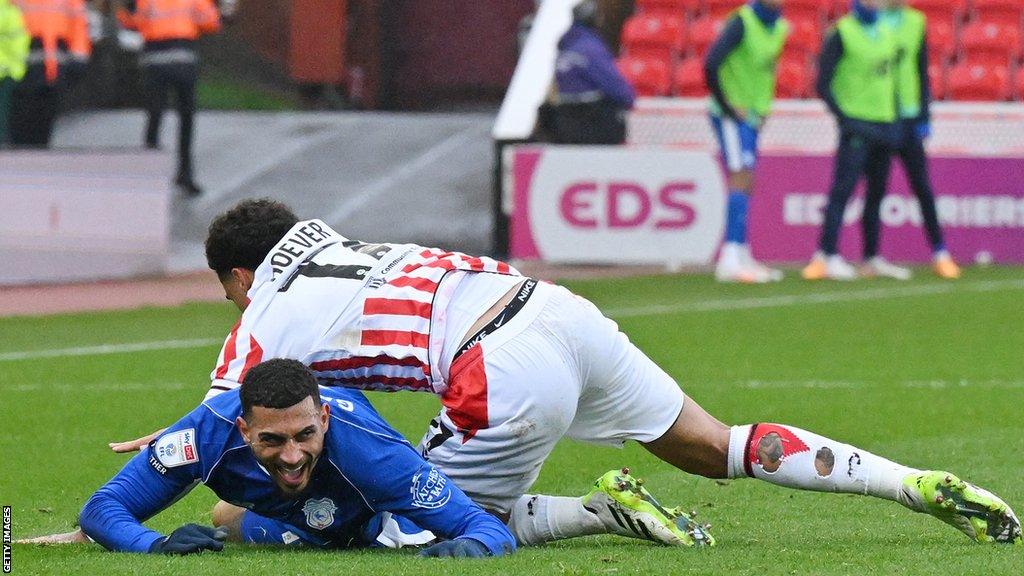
177 448
430 489
319 513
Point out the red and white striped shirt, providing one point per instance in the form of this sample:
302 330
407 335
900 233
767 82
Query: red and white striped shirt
368 316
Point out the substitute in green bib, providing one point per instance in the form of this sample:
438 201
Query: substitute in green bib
857 81
14 41
740 73
913 96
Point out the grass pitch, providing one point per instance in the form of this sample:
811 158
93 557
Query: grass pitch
927 373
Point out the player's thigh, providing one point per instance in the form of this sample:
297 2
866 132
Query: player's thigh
624 395
504 411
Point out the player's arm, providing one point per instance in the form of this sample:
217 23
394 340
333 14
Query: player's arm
149 482
828 59
392 477
926 86
728 41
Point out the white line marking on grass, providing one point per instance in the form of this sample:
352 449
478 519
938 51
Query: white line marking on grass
101 387
834 384
109 349
723 304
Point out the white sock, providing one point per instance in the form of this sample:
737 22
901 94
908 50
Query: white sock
796 458
537 518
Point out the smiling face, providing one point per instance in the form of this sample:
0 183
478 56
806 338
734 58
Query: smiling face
287 441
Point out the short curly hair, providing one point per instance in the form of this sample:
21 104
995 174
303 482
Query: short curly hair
244 235
277 383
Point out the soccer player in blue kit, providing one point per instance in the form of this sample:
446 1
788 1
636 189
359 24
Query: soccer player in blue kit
312 465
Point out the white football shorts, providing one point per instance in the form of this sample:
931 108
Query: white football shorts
557 368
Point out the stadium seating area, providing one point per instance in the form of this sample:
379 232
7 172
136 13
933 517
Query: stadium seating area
976 48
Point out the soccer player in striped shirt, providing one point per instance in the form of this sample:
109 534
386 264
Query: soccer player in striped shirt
519 364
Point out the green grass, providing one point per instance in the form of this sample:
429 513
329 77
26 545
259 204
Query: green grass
931 378
226 94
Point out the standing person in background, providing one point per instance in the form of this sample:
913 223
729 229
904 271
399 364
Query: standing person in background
740 73
14 41
857 80
169 63
58 53
593 97
913 95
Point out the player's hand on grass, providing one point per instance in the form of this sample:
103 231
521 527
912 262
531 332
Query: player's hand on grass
135 445
74 537
189 539
459 548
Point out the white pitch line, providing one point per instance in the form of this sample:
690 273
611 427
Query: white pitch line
834 384
101 387
781 301
723 304
109 349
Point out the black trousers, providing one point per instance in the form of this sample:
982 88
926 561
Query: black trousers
912 155
589 123
160 80
34 106
863 149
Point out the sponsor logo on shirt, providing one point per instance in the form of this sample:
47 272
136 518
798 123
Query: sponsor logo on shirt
430 489
175 449
319 513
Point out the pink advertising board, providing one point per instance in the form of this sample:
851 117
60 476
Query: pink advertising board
587 204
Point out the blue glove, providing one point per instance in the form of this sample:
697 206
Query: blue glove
924 129
458 548
189 539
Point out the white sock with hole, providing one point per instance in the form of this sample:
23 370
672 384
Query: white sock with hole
537 518
796 458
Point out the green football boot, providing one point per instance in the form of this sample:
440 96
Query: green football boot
626 508
976 512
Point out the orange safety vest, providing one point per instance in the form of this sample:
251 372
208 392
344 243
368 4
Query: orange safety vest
171 19
51 22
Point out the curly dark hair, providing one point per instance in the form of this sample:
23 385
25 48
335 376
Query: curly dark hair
277 383
244 235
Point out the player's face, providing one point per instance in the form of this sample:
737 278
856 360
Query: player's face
236 286
287 441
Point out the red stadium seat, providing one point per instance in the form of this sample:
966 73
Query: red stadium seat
670 7
721 8
807 10
703 33
654 36
978 82
1009 12
805 36
648 76
941 41
1018 84
937 81
949 11
990 43
794 80
688 78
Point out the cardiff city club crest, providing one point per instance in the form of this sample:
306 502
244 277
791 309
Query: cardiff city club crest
430 489
319 513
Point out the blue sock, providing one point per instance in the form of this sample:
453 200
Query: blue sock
736 217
